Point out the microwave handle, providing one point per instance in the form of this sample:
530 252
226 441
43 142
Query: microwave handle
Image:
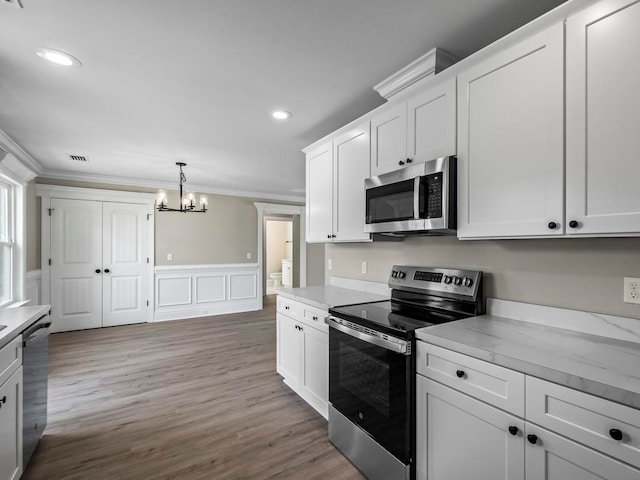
416 198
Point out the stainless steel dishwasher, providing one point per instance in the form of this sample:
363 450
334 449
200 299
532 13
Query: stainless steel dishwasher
35 364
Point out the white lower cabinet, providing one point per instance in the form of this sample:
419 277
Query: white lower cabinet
302 352
459 437
11 427
462 435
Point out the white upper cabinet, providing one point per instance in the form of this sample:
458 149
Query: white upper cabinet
351 154
320 193
431 122
335 188
603 119
389 139
510 141
417 130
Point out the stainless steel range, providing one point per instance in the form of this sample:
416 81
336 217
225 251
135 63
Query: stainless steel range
372 367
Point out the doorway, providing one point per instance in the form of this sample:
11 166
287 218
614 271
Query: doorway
279 269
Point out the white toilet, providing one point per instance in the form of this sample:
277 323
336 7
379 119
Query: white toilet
287 273
277 279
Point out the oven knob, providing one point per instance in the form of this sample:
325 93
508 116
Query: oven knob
457 280
394 274
448 279
401 274
468 282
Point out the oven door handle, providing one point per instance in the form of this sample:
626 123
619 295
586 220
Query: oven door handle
390 343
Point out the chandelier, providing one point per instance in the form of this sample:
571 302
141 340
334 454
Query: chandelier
187 202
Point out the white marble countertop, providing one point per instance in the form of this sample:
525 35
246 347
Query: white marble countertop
602 366
17 319
329 296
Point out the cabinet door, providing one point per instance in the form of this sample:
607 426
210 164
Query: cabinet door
603 118
76 254
351 164
11 427
289 350
314 381
125 240
510 143
320 194
389 139
553 457
459 437
431 129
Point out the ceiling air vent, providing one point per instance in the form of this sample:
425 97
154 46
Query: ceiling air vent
79 158
15 3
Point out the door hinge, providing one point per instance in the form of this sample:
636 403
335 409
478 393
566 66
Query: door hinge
148 216
49 261
147 259
50 210
147 303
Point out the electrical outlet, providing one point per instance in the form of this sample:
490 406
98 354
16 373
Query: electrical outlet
364 267
632 290
329 264
169 256
248 255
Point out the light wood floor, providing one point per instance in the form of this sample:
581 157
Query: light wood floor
191 399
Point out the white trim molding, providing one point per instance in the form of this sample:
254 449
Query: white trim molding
188 291
33 287
426 66
278 209
18 152
139 182
77 193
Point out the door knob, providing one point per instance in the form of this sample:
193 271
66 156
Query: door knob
98 270
533 439
409 160
106 270
401 162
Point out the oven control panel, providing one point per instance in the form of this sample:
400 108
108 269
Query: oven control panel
435 280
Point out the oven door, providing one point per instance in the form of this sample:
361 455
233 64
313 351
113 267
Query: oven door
370 383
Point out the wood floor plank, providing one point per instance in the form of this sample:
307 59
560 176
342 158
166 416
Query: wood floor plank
192 399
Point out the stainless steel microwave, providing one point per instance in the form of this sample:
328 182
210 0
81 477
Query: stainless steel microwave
416 200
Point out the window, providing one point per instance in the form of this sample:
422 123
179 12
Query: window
7 242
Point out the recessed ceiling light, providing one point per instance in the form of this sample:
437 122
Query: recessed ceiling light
281 114
58 57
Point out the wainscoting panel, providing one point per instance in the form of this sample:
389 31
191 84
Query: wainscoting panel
187 291
211 288
32 287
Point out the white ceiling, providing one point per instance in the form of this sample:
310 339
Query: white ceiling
195 80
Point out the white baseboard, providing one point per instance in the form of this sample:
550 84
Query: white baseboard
192 311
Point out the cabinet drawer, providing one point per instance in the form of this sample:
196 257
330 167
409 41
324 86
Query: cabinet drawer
315 317
10 358
590 420
290 308
493 384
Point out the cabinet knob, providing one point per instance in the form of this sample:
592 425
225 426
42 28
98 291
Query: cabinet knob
401 162
460 373
574 224
615 434
333 236
329 236
532 439
513 430
409 160
552 225
98 270
315 319
286 307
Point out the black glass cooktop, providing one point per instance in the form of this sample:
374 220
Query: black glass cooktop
394 318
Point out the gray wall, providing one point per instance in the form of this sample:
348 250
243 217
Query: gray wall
222 235
581 274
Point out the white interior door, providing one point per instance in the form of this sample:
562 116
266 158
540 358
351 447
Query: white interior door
125 258
76 264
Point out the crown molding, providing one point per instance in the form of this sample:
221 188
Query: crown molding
15 169
7 144
142 183
426 66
